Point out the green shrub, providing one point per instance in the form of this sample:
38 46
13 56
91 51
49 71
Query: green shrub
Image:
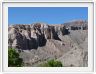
52 63
13 58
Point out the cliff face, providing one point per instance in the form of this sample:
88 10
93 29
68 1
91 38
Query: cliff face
31 36
39 42
77 25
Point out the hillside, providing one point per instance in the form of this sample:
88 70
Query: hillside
39 42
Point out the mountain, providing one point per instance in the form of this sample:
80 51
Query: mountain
39 42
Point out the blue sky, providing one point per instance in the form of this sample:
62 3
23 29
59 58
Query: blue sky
50 15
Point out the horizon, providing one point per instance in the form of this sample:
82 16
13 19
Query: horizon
49 15
49 24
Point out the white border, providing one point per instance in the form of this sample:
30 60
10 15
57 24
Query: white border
47 0
48 73
0 36
95 37
48 69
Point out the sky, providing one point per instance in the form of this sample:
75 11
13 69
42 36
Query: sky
50 15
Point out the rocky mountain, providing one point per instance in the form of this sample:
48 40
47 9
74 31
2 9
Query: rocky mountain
39 42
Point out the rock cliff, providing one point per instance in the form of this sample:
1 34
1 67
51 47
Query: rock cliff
39 42
31 36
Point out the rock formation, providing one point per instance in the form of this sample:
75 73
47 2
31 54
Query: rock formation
77 25
40 42
32 36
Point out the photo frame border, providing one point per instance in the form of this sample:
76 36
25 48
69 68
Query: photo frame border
47 1
19 69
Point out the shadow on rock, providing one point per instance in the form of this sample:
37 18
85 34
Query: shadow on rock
41 40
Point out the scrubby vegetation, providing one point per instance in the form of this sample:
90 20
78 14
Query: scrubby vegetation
52 63
13 58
